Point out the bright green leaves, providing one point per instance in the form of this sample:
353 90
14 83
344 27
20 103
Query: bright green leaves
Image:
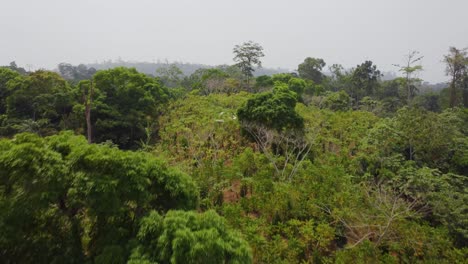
33 180
272 109
188 237
65 200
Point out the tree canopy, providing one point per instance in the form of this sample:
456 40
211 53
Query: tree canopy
274 109
247 56
337 166
127 104
311 69
73 201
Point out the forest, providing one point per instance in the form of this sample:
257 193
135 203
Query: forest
227 166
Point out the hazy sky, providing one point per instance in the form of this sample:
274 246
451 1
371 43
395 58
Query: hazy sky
44 33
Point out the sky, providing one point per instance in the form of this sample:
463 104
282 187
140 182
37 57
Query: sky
41 34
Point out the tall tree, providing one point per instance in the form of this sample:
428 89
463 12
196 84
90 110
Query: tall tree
311 69
364 81
247 57
457 66
87 89
128 99
409 69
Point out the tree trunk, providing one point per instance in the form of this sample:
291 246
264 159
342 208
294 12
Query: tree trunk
453 93
88 100
465 97
88 123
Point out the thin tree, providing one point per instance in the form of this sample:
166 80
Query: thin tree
247 57
408 69
87 96
457 65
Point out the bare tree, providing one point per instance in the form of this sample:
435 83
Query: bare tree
213 85
376 222
286 150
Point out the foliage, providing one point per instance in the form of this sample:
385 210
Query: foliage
188 237
202 134
247 56
65 201
457 69
263 81
75 73
301 168
274 109
337 101
129 101
42 98
364 81
171 76
5 76
311 69
410 69
297 85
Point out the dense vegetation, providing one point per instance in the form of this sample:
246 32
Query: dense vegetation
116 166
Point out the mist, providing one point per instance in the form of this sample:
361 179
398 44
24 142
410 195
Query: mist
42 34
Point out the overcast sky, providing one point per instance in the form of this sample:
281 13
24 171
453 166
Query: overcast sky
46 32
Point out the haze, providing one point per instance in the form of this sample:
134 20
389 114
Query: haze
42 34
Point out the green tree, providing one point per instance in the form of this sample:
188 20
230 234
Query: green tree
87 90
311 69
457 68
247 56
444 194
339 79
409 69
214 80
189 237
297 85
337 101
42 97
274 109
128 99
282 77
5 76
428 101
66 201
364 81
14 67
263 81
